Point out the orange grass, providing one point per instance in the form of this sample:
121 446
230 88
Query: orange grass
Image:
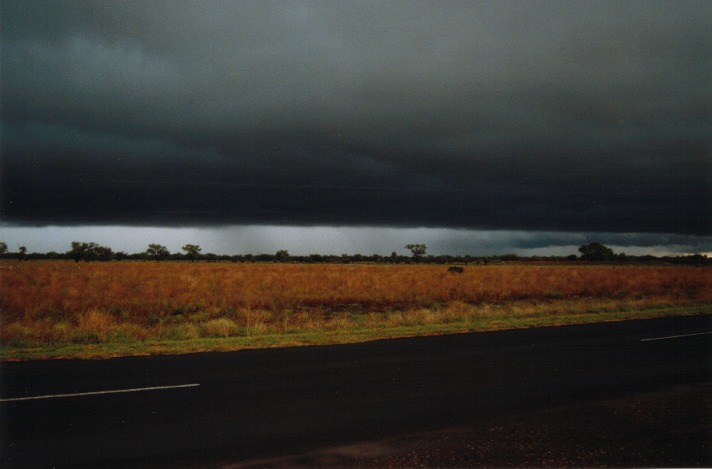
56 301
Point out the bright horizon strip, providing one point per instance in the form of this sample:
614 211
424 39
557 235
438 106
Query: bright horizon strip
336 240
94 393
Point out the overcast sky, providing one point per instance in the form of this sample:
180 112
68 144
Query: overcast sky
322 123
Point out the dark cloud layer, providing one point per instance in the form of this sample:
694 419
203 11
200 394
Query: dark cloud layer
576 116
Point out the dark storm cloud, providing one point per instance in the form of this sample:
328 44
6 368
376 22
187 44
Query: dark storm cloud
591 116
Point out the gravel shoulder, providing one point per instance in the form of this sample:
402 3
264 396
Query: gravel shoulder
663 429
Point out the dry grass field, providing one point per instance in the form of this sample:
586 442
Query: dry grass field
55 303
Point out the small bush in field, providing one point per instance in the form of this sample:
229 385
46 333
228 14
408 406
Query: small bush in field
456 269
221 327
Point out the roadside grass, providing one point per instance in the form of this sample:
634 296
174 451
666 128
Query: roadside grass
97 310
346 332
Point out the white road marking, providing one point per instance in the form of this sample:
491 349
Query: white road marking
94 393
675 336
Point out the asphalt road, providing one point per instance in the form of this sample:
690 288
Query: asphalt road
220 408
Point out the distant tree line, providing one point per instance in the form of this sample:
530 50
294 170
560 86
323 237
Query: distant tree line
93 252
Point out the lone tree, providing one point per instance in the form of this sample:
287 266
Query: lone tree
103 253
22 253
157 252
90 252
83 251
418 250
192 251
596 251
3 248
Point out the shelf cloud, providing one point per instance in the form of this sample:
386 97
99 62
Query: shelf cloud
508 115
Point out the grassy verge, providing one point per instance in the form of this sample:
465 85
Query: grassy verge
92 310
362 328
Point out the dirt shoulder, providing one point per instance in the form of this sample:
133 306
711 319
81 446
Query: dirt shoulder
663 429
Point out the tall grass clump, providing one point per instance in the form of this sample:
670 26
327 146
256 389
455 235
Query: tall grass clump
221 327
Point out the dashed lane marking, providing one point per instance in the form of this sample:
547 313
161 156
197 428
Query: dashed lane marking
675 336
94 393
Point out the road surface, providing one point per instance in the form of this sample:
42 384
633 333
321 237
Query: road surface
220 408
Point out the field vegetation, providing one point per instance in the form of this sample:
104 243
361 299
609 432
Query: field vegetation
61 308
